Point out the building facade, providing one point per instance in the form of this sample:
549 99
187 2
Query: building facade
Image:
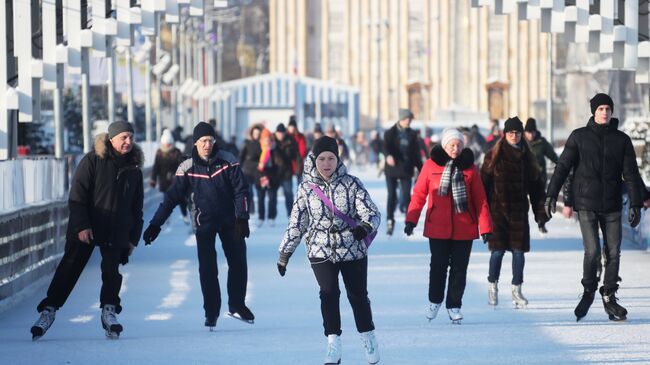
430 56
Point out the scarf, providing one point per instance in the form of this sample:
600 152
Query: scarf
452 176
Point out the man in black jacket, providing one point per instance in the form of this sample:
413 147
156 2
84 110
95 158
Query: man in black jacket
219 193
602 158
105 205
401 149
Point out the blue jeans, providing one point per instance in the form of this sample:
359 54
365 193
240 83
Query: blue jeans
518 262
287 190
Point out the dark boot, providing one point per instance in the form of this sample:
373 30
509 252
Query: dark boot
585 302
615 311
390 224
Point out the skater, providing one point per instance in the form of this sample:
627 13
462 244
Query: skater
105 204
219 192
401 150
288 152
301 143
542 150
334 245
511 177
457 211
603 159
249 157
164 167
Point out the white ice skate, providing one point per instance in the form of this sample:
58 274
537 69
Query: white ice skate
43 323
518 298
432 311
109 322
333 355
493 293
455 315
370 345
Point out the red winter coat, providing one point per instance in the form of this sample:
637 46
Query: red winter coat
441 222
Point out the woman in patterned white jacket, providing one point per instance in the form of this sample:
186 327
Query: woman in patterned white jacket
333 245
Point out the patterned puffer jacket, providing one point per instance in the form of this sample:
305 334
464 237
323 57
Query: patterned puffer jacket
327 236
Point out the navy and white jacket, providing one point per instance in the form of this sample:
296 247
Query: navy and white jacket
327 236
218 190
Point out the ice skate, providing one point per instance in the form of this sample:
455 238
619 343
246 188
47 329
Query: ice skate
493 293
390 226
333 355
455 315
109 322
432 311
243 314
370 345
518 298
271 222
43 323
210 322
585 303
615 311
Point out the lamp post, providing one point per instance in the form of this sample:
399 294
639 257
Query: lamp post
379 24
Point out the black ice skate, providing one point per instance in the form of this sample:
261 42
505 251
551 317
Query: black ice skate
43 323
390 226
109 322
211 322
584 305
242 314
615 311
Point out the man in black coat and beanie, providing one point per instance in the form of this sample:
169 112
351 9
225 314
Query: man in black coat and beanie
602 158
219 193
402 156
105 205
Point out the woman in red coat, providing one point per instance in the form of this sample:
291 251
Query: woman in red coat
457 211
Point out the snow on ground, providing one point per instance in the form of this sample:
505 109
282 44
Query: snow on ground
163 315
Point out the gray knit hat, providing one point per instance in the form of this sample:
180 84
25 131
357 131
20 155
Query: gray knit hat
118 127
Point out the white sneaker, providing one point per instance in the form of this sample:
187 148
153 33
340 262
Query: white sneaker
260 223
333 350
271 222
43 323
493 293
455 315
432 310
370 345
109 321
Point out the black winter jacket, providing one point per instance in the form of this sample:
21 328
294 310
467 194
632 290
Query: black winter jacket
218 190
249 157
602 158
106 196
403 164
164 167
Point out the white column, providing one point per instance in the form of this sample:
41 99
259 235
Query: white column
5 150
632 33
53 69
22 24
606 43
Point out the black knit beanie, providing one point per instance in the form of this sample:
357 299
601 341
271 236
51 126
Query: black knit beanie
531 125
118 127
325 143
203 129
600 99
513 124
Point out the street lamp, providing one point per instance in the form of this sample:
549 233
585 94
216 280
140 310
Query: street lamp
379 24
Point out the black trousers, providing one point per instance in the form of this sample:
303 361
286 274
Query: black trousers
273 202
75 258
355 278
234 249
452 255
391 185
610 224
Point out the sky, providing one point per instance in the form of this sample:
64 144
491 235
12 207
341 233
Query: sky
163 314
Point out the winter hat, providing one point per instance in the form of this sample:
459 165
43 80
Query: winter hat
531 125
292 121
601 99
326 143
203 129
450 134
404 113
281 128
513 124
166 137
118 127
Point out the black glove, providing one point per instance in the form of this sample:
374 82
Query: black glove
408 228
241 228
359 232
634 216
486 237
150 234
283 261
549 206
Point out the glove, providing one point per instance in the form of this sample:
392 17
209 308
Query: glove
408 228
241 228
549 206
150 234
486 237
359 232
283 261
634 216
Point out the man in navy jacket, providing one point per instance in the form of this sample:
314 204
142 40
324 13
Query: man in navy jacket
219 191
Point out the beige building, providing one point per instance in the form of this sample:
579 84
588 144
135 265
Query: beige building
428 55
